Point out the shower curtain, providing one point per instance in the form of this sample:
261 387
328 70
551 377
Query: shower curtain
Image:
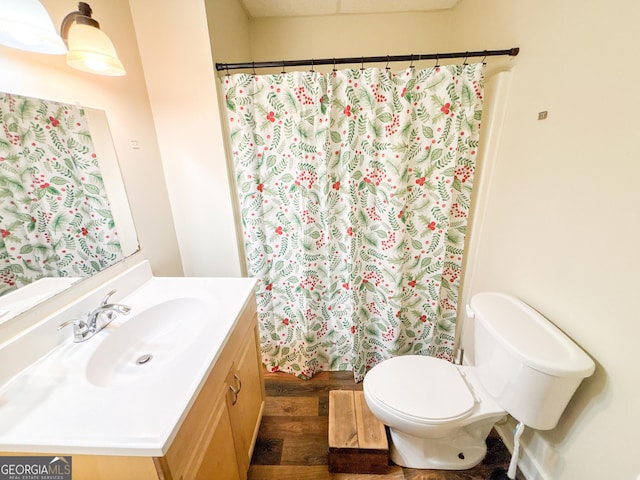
354 190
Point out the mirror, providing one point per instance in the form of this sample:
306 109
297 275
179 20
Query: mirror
64 214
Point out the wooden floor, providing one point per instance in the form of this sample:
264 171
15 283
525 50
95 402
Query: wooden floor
293 438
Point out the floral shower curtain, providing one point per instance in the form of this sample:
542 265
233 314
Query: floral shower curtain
55 218
354 190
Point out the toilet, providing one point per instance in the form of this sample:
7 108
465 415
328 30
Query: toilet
439 414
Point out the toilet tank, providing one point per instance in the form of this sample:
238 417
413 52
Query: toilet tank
524 361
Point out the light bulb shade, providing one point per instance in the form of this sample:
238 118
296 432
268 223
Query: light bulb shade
26 25
91 50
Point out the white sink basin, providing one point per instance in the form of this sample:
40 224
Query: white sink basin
148 341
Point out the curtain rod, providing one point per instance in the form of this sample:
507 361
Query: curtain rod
512 52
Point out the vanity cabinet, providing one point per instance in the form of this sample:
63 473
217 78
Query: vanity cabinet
217 437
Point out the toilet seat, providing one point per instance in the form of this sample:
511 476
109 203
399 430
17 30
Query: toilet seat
421 389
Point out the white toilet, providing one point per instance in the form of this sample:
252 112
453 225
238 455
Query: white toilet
439 414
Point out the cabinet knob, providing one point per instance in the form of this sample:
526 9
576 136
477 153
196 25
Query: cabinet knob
235 394
235 390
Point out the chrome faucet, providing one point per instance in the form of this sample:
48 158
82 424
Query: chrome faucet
91 323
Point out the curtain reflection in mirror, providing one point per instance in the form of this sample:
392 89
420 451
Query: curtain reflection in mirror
55 218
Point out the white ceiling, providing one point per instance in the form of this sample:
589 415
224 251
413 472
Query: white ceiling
295 8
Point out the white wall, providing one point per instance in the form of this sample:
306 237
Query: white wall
228 30
562 219
176 56
229 34
125 101
349 35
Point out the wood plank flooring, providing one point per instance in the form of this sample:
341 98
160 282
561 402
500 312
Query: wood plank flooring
292 442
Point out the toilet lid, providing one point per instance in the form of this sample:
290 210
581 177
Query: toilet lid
423 389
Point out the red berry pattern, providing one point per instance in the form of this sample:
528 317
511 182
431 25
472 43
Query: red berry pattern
302 96
392 128
463 172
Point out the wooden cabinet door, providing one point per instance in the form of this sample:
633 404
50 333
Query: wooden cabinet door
204 447
245 400
220 456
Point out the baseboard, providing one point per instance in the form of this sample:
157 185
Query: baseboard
526 464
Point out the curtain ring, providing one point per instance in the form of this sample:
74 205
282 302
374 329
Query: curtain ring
388 60
437 60
254 68
227 67
283 67
362 64
312 70
411 64
484 58
466 55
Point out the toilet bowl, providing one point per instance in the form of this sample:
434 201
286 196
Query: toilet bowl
438 422
440 414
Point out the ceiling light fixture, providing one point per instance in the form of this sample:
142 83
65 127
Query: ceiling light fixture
26 25
90 49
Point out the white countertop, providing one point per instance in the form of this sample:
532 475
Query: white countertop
53 407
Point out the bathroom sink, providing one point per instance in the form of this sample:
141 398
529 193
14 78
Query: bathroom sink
146 368
150 342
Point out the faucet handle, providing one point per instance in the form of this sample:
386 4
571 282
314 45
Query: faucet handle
78 322
67 323
80 327
105 300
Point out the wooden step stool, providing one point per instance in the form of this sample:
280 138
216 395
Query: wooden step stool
357 439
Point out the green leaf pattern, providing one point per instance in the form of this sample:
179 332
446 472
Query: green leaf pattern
354 191
54 214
